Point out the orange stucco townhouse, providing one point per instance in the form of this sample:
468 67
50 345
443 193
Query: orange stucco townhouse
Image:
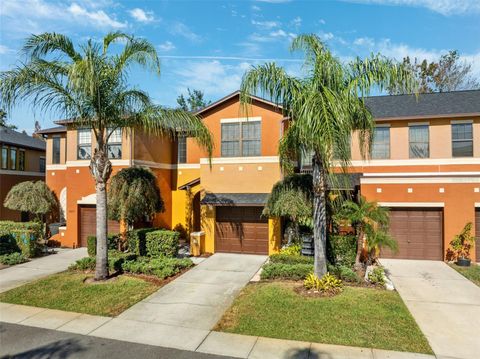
424 166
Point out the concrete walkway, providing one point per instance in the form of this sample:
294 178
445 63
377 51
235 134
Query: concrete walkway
20 274
445 305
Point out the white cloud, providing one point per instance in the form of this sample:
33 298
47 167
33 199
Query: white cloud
166 46
266 24
297 22
179 28
255 8
444 7
98 18
142 15
326 36
282 34
322 22
364 41
274 1
5 50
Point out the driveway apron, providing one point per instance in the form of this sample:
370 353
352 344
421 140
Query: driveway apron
445 305
198 298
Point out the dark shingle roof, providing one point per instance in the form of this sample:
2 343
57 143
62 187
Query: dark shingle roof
431 104
232 199
56 129
20 139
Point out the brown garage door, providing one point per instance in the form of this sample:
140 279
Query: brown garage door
241 230
418 233
88 224
477 235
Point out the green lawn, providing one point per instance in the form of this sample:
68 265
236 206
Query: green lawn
67 291
472 273
363 317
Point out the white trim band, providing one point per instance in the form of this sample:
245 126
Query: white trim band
163 166
477 204
412 204
417 162
56 167
21 173
420 180
188 166
420 174
239 160
241 119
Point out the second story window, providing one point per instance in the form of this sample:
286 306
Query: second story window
241 139
56 150
182 149
4 158
21 160
84 151
13 158
381 143
462 139
41 164
115 143
418 138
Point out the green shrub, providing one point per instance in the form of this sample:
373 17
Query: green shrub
136 242
292 250
289 259
112 240
13 258
162 243
162 267
342 250
115 261
346 274
327 284
376 276
20 236
286 271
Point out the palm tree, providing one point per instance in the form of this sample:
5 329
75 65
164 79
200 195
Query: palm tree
324 108
370 220
89 85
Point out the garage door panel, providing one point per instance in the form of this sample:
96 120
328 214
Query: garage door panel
477 235
418 233
88 224
241 230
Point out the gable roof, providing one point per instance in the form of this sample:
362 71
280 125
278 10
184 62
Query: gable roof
437 104
20 139
57 129
232 95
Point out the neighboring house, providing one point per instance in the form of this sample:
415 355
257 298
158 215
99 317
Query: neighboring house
22 159
425 166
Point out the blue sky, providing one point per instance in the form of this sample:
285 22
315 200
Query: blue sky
208 45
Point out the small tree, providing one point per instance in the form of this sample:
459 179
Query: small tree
463 242
134 195
194 101
371 220
32 197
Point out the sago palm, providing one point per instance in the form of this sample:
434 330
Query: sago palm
89 85
324 108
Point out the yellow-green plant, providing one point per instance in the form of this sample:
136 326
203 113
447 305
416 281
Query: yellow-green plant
463 242
293 250
327 284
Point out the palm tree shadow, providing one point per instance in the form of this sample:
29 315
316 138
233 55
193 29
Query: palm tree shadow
305 353
57 350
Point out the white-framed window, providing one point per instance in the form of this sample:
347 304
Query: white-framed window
182 149
419 141
241 139
462 139
4 158
42 164
21 160
114 144
84 136
381 142
56 150
13 158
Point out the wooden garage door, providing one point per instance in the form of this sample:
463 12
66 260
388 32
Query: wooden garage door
88 224
477 235
241 230
418 233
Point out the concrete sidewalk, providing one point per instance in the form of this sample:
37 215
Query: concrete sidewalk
209 342
20 274
445 305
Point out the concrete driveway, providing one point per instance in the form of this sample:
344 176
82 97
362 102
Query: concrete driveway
445 305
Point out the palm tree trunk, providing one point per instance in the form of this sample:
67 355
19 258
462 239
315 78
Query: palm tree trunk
101 168
319 217
358 264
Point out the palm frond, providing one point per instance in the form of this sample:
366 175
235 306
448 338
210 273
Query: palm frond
46 43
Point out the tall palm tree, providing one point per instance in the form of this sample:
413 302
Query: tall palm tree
89 85
324 108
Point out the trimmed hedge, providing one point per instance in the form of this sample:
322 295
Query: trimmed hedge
162 267
162 243
20 237
136 242
346 274
342 250
289 259
13 258
112 240
286 271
